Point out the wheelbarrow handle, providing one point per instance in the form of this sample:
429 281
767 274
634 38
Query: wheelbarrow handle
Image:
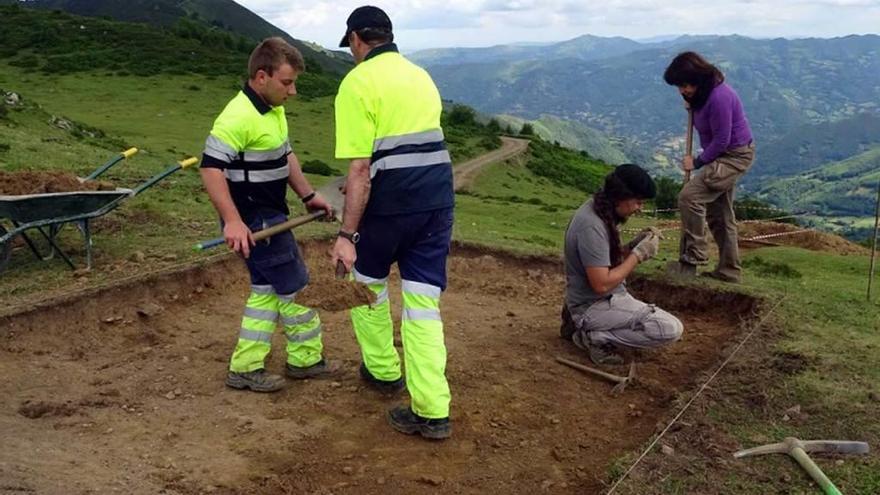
267 232
113 161
165 173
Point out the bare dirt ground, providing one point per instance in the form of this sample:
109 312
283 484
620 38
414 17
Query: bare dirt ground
122 391
812 240
469 170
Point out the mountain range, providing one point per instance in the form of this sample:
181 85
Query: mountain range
809 101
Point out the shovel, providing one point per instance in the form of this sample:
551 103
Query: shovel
331 192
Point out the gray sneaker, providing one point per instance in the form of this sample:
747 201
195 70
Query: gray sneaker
257 380
604 354
322 367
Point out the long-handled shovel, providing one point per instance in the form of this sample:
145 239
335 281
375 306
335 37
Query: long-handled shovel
689 143
331 192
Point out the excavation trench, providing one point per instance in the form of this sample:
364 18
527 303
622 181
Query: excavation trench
122 389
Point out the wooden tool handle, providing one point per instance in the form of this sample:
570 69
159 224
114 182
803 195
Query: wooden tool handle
290 224
578 366
689 141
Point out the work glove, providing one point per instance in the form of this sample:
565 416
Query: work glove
647 248
641 235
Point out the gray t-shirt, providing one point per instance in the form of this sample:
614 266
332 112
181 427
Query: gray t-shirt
586 245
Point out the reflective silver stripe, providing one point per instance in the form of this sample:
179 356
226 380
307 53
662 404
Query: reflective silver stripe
391 142
360 277
288 298
421 314
267 155
298 319
304 336
410 160
215 148
261 314
254 176
421 289
246 334
381 297
262 289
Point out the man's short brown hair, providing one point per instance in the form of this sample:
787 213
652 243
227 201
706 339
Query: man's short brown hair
271 54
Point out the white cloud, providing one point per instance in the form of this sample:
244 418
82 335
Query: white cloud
433 23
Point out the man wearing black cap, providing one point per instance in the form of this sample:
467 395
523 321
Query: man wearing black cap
398 209
599 313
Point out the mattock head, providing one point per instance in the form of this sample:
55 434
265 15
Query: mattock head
630 378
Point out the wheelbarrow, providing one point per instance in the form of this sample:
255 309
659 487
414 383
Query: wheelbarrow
47 213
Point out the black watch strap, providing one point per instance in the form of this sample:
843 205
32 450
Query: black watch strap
354 237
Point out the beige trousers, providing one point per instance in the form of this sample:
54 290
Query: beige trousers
708 198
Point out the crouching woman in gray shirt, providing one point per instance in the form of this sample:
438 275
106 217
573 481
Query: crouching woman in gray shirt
599 314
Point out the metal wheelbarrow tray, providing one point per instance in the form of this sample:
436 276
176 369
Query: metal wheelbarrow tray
47 213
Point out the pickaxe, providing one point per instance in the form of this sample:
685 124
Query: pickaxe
621 381
330 191
799 450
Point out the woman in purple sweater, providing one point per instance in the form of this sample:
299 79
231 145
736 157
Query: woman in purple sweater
728 152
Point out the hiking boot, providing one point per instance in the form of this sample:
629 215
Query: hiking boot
384 386
257 380
720 276
322 367
680 269
604 354
567 329
404 420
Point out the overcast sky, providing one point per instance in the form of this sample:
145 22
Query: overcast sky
422 24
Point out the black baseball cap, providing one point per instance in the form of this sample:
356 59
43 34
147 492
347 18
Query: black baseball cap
365 17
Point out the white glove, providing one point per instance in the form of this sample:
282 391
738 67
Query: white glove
647 248
641 236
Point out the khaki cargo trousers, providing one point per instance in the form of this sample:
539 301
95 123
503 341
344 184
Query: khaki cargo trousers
708 198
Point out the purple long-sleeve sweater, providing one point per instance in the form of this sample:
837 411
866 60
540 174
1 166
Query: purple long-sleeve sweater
722 124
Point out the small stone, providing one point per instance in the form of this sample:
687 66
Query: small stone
667 450
380 481
348 470
555 421
511 314
839 462
109 431
169 257
137 257
432 480
874 396
170 396
545 485
793 411
178 391
335 384
149 310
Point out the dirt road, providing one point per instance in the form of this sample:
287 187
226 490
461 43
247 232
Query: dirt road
465 173
122 392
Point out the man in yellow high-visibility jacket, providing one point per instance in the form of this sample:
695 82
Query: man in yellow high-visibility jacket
398 208
246 168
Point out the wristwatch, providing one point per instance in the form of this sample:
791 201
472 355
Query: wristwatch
354 237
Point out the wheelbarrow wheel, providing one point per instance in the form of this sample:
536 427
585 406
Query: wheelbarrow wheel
5 250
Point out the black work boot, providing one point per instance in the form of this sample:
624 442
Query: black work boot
384 386
404 420
257 380
566 330
604 354
322 367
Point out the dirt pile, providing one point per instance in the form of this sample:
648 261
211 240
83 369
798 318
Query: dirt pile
812 240
32 182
